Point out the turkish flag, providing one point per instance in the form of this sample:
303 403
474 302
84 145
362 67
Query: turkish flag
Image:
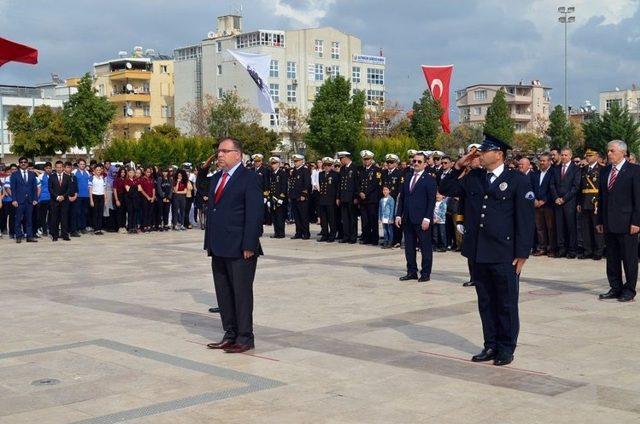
14 52
438 79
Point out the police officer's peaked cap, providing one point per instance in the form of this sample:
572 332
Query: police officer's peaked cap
366 154
274 159
343 154
591 152
391 158
257 157
337 162
297 157
493 143
327 161
411 152
471 146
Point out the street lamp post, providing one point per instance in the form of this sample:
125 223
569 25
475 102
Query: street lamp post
566 19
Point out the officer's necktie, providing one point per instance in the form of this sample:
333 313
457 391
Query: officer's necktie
413 182
489 176
220 189
24 176
612 178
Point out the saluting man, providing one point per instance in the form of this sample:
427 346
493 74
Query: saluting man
499 225
299 190
278 186
370 191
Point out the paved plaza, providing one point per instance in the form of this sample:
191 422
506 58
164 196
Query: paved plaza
111 329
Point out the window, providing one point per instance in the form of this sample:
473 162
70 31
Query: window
319 72
166 112
375 76
275 92
260 38
480 94
164 69
219 69
291 93
274 118
317 90
519 126
609 103
477 111
355 75
335 50
146 110
125 107
101 89
220 93
319 48
334 70
291 70
274 69
375 97
219 47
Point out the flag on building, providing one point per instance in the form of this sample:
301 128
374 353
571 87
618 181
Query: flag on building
13 52
438 79
257 65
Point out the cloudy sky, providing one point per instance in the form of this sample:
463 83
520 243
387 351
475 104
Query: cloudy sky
486 40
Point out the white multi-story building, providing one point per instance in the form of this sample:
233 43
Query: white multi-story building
301 60
624 98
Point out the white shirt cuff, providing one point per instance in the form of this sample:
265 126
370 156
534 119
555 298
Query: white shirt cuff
427 220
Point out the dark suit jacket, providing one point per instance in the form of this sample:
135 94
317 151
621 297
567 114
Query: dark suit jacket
566 188
543 191
619 208
56 189
414 206
21 191
234 224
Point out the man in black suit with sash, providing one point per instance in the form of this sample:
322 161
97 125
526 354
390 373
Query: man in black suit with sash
618 218
232 238
499 225
60 190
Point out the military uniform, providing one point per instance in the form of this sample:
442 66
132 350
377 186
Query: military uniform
327 208
300 186
278 200
499 227
371 186
394 180
592 241
264 175
347 196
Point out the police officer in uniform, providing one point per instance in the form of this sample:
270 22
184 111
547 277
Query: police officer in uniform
329 181
392 178
299 190
348 198
370 192
499 227
265 181
592 241
278 185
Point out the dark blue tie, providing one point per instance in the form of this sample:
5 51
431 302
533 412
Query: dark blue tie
489 176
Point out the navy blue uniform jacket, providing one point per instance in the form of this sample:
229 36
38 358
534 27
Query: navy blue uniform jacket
499 224
234 224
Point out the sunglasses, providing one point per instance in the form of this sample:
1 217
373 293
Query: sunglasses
23 161
417 161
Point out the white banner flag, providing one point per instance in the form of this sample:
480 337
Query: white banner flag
257 65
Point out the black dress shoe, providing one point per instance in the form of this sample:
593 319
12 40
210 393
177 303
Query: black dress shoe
331 240
423 279
343 241
408 277
54 239
323 239
223 344
583 257
561 254
296 237
18 240
468 284
66 238
502 360
238 348
611 294
75 234
571 256
31 240
626 297
485 355
214 310
596 257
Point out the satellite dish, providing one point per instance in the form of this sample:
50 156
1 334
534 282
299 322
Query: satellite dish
123 53
211 35
129 112
129 87
129 65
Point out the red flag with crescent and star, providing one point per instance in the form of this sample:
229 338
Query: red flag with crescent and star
438 79
11 51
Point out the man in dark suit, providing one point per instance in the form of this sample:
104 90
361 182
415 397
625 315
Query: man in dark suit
564 190
264 173
329 182
278 189
545 219
619 219
499 226
60 188
24 192
370 187
393 178
299 192
347 198
415 212
232 238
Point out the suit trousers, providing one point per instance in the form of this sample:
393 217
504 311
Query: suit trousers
24 212
278 218
349 217
546 228
327 215
497 287
370 230
414 237
233 281
59 218
592 241
622 253
301 217
566 227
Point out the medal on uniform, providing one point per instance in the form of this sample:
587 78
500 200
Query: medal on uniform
503 186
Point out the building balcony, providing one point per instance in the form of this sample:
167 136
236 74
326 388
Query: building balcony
132 120
521 116
130 97
130 74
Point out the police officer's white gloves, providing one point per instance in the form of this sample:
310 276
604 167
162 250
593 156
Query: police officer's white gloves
460 228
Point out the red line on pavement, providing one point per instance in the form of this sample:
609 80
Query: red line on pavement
457 358
244 353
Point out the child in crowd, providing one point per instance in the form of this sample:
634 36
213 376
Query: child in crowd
439 221
386 212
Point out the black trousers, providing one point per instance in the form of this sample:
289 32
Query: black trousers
349 216
497 287
166 207
592 241
301 217
233 281
622 253
157 213
59 218
327 215
44 215
566 228
98 210
147 213
121 212
414 237
131 212
278 217
370 232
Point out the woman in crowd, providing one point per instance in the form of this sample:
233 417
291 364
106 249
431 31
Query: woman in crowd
119 199
132 200
97 189
188 201
180 186
165 192
147 191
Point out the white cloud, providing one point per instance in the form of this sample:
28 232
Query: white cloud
308 14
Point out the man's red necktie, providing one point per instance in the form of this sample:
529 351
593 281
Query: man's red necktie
413 182
612 178
220 189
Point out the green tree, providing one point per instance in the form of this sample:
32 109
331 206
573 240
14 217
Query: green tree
256 138
559 131
225 114
528 143
41 134
498 122
87 116
166 130
119 149
425 121
615 124
336 119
